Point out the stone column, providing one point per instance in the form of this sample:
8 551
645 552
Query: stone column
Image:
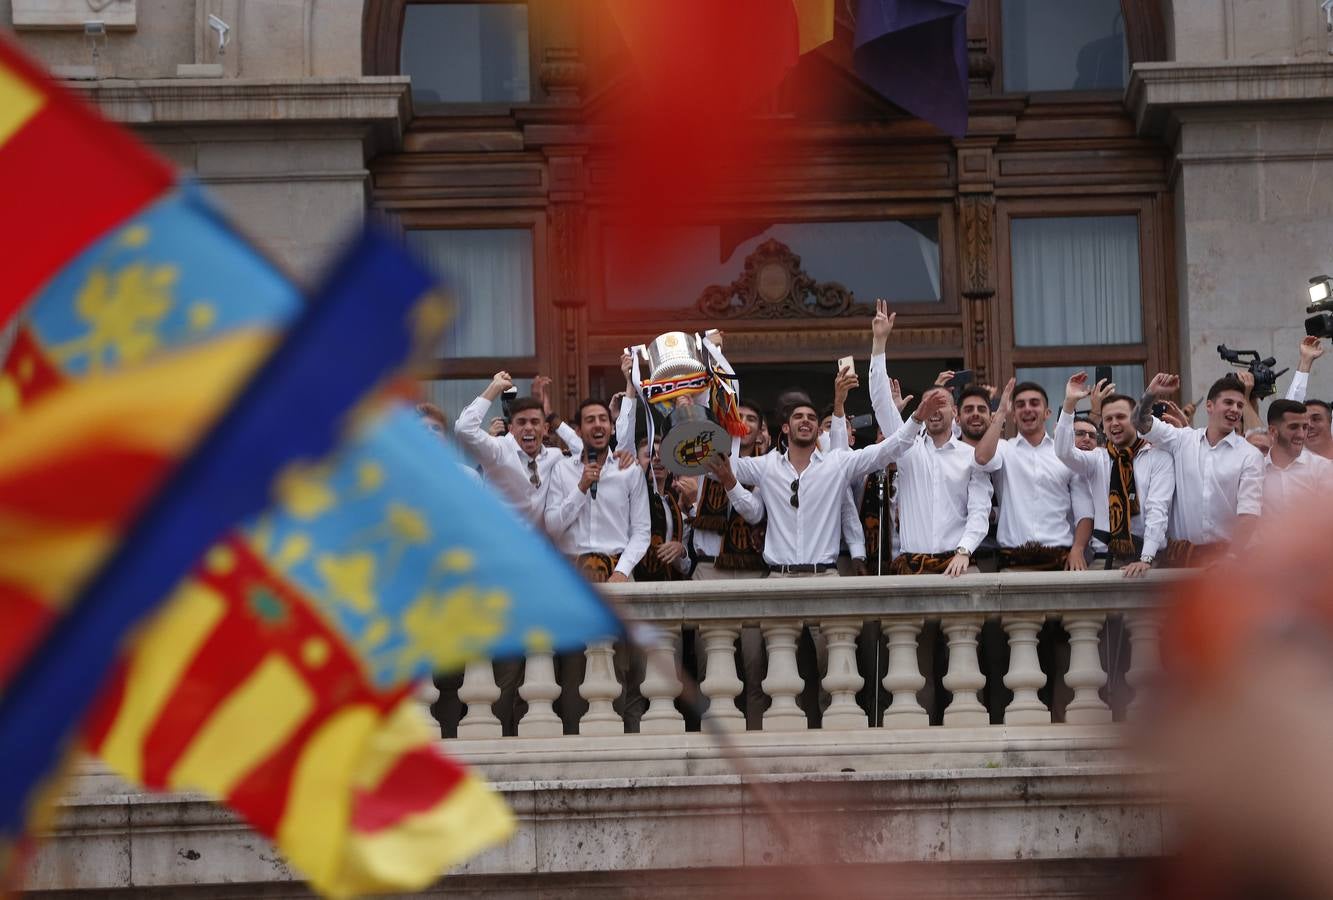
904 677
661 685
1145 658
1024 677
539 690
842 680
783 682
1085 673
479 691
721 684
600 688
964 678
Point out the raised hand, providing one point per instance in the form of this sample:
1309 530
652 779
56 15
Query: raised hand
720 467
500 382
592 473
1076 388
932 402
1163 385
1006 407
1104 389
625 458
1311 349
943 379
882 326
627 366
1175 416
844 384
898 399
1246 379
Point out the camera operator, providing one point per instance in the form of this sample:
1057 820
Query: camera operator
1219 477
1292 472
1132 484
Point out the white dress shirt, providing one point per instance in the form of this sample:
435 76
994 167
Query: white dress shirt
1041 499
1305 477
1214 483
1300 383
1154 486
615 522
809 533
943 499
505 463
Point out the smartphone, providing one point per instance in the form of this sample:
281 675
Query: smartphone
506 401
1158 410
1103 374
961 379
847 362
865 421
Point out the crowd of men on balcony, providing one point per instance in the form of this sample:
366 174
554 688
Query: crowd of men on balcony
1131 485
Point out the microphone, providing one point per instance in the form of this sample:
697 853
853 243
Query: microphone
593 456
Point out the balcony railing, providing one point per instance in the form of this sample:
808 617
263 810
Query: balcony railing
977 651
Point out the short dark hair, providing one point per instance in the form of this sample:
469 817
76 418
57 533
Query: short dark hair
1084 419
1121 398
523 404
974 390
793 401
578 416
1324 403
1025 386
1228 382
1279 408
752 407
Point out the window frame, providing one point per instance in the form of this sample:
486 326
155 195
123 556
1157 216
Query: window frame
1151 352
525 366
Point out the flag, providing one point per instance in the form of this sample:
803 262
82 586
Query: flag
416 564
242 690
66 177
281 414
688 126
914 53
109 382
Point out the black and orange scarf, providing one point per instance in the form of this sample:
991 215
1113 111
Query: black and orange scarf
1123 501
660 506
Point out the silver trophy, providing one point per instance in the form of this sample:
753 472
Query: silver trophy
679 385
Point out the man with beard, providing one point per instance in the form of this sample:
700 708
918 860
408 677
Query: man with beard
1132 484
1219 477
1045 508
943 500
974 414
598 514
1291 472
518 463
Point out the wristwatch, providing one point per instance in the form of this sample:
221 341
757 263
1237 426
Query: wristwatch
1146 559
961 551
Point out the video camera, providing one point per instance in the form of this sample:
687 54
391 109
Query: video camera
1265 379
1320 323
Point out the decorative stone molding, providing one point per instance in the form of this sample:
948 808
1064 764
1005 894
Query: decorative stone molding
774 286
562 75
71 15
977 214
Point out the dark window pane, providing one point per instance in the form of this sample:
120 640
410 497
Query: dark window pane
466 52
896 260
1064 45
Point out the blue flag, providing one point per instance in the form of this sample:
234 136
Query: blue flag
914 53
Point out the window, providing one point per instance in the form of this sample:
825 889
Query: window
490 270
1064 45
1076 281
895 259
1128 380
466 52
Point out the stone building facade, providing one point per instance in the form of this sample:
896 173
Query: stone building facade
1203 166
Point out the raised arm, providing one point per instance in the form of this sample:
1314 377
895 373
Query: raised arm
877 456
1155 430
485 448
1311 349
985 452
1083 462
887 414
541 389
845 383
625 422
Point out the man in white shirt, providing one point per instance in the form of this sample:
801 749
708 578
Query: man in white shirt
518 463
1319 435
1219 477
1045 508
598 514
1132 484
1291 472
943 500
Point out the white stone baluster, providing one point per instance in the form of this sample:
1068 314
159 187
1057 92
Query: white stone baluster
479 691
721 684
1145 658
783 681
661 686
964 677
842 680
601 688
1024 677
1085 673
904 677
539 690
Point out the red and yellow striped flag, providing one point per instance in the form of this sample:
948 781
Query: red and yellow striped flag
66 176
344 778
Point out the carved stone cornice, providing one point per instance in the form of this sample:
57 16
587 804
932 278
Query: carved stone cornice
563 75
977 213
774 286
